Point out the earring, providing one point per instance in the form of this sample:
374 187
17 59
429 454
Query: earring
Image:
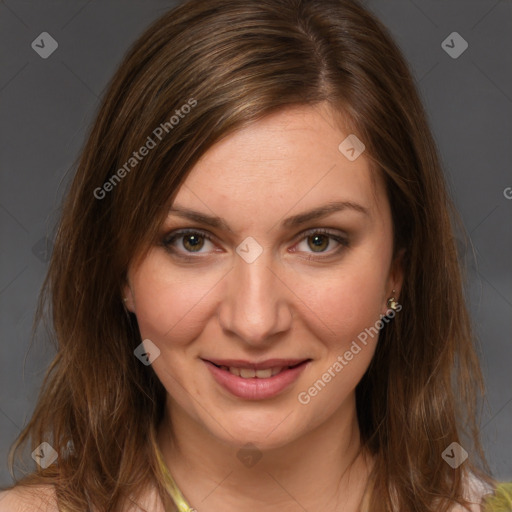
392 302
125 299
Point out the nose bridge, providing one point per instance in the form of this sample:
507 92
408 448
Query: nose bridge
254 306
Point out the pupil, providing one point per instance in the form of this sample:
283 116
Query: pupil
193 241
317 241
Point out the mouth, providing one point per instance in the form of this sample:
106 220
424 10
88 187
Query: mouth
251 373
256 381
261 370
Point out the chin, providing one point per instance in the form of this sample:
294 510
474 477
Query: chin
265 431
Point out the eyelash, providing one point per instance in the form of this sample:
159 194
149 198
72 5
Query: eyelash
170 238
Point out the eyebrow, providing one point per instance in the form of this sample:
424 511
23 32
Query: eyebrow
290 222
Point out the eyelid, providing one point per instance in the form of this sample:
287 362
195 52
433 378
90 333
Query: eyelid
334 234
178 233
338 236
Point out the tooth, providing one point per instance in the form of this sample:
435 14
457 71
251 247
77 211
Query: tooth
264 374
249 373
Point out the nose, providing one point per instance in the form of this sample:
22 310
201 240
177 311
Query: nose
255 305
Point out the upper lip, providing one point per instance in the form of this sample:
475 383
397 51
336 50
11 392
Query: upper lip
268 363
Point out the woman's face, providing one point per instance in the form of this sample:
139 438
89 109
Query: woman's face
273 281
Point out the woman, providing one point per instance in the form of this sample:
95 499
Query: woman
255 288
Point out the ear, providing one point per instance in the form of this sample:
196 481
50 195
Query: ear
396 275
128 297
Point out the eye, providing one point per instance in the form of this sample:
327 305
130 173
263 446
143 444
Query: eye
191 241
186 243
319 240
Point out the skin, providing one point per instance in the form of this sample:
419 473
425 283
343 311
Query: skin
281 305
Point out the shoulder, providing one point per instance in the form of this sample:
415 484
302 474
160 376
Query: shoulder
39 498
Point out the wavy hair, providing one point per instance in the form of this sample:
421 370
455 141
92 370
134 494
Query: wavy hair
234 62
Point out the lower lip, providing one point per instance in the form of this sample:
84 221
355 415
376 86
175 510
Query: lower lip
255 388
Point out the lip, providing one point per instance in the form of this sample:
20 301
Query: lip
268 363
256 388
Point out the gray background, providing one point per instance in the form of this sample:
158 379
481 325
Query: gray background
46 106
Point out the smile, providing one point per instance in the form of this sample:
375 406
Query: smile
256 381
249 373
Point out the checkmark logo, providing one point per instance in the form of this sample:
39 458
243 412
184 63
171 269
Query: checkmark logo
454 455
44 45
44 455
42 249
454 45
147 352
249 455
249 250
351 147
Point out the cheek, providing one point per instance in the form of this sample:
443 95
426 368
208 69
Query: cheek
345 299
170 301
348 309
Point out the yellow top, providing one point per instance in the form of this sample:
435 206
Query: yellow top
172 488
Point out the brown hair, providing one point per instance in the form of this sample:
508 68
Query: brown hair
233 62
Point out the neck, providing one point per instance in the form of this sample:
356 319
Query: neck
321 470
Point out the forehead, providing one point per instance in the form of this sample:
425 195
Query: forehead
288 160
